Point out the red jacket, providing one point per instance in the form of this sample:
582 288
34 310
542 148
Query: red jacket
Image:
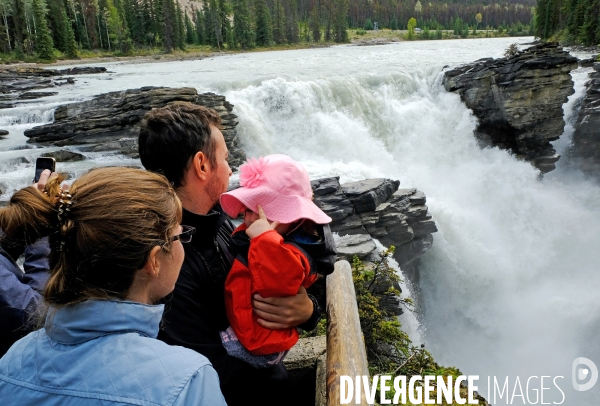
274 268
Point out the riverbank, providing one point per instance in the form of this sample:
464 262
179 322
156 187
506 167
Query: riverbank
153 55
198 52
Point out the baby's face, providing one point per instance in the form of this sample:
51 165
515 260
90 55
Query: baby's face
250 217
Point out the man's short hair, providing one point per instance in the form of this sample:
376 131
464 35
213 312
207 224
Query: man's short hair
171 136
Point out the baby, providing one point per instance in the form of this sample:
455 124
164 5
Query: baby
284 243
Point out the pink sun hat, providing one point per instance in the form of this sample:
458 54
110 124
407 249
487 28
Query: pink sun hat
280 185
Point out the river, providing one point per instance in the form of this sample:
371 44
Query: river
510 287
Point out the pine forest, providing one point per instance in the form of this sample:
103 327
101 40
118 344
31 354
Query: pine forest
50 29
570 21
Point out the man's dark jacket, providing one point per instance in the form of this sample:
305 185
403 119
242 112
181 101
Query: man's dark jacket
195 312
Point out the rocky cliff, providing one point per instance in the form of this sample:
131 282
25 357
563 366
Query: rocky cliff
585 151
111 121
518 100
376 208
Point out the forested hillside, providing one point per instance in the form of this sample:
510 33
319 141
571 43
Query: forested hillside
48 28
572 21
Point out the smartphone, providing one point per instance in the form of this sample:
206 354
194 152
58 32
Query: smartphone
43 163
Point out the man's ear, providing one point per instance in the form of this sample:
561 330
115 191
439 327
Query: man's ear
200 165
152 265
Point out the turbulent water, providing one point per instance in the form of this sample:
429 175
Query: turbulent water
510 287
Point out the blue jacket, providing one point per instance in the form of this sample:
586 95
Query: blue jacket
105 353
20 291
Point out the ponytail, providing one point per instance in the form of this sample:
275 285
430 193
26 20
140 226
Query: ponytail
30 214
100 234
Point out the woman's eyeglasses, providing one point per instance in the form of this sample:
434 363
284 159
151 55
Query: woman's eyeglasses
185 236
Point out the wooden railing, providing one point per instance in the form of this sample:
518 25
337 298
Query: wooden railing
345 344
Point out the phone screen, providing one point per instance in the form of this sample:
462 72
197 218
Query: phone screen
41 164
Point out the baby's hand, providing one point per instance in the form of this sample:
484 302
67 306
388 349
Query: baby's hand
261 225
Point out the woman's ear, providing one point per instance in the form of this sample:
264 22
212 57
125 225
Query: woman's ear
199 163
152 265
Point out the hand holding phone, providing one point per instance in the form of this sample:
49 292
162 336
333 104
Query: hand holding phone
41 164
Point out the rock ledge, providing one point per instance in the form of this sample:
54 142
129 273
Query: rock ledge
518 100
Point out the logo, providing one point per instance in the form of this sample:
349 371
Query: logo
580 374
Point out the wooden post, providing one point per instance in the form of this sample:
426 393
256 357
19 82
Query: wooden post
346 353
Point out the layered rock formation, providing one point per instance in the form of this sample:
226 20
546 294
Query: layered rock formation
376 208
16 83
112 120
586 138
518 100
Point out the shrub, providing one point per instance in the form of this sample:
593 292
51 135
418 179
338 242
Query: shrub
511 51
389 350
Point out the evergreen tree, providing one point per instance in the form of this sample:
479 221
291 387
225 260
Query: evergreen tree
6 10
230 40
170 25
200 31
132 11
546 18
190 31
180 26
117 32
341 21
589 27
576 18
305 33
69 35
156 10
90 18
278 22
394 24
223 11
209 32
125 42
328 21
242 24
20 28
315 27
264 34
44 43
291 28
145 32
74 15
56 23
213 24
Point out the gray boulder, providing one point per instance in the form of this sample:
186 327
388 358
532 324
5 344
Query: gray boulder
64 155
518 100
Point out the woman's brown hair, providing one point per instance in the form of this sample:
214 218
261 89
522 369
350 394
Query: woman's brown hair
116 217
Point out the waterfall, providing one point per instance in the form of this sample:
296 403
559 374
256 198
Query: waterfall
510 285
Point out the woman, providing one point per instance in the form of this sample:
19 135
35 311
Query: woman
116 250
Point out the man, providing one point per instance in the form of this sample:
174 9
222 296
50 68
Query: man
183 141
